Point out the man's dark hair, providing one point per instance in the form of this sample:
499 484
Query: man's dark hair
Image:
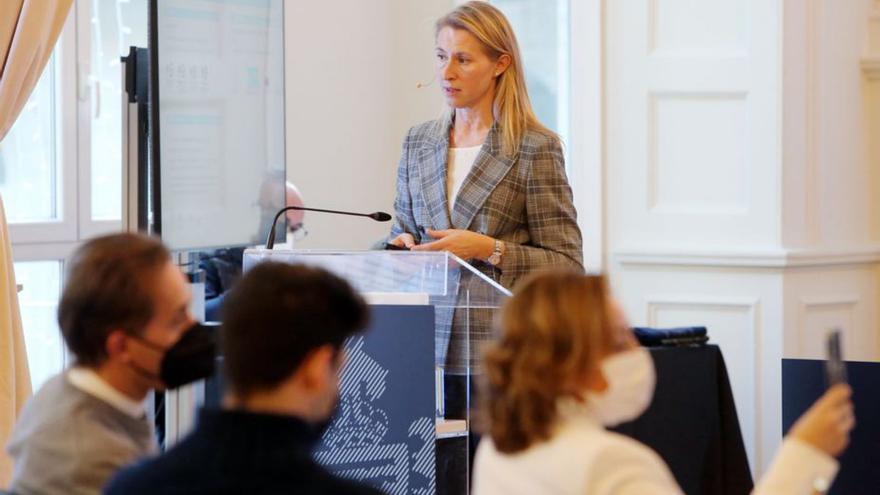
109 287
276 315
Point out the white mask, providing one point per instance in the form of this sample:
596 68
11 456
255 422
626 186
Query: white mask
631 379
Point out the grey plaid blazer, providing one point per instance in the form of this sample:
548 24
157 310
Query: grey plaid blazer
524 201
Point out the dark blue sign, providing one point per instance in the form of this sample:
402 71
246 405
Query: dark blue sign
383 432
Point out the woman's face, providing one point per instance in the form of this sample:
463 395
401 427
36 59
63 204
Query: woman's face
466 72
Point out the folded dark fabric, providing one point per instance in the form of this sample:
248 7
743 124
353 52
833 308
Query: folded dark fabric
651 337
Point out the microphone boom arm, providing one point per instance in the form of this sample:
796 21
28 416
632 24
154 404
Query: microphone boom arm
379 216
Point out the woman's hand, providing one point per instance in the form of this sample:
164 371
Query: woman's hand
462 243
827 423
403 240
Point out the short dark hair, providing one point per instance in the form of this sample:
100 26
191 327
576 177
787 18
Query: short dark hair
109 286
276 315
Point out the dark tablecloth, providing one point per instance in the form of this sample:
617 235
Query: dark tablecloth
692 422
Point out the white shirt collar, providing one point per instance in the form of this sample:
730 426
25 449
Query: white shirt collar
91 383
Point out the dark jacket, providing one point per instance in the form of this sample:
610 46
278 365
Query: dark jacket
237 452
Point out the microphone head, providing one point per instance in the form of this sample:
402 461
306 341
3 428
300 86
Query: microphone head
380 216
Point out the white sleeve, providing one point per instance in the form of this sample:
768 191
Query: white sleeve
631 469
798 468
642 486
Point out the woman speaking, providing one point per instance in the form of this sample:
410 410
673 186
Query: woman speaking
486 181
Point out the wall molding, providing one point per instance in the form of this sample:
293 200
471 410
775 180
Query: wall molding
696 49
871 67
653 168
849 303
750 307
870 62
749 258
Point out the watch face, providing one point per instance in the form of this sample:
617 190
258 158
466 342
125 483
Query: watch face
494 259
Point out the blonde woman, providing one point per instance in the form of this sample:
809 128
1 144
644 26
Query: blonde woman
566 367
486 181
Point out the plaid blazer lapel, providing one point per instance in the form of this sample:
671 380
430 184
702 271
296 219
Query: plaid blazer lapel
432 163
489 169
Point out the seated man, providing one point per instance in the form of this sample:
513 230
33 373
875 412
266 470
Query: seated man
124 304
281 339
223 266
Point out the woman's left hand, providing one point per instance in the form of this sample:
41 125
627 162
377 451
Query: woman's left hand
462 243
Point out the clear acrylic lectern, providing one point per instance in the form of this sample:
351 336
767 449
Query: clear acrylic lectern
427 309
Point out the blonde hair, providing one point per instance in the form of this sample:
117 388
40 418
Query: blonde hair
554 329
512 108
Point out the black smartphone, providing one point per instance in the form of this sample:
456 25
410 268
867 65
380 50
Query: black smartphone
835 368
392 247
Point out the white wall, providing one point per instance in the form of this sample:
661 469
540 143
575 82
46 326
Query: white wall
352 70
741 182
741 176
692 165
831 182
692 135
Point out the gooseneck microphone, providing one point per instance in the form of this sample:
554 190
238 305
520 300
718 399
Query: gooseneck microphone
379 216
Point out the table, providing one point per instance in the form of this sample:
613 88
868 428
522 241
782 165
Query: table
692 422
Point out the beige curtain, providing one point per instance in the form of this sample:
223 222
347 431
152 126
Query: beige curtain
15 382
28 32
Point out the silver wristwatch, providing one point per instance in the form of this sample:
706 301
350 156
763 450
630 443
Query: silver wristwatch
495 258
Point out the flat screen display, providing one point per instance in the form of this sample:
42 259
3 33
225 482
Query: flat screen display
217 70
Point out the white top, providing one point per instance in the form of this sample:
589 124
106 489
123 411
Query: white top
91 383
582 457
459 163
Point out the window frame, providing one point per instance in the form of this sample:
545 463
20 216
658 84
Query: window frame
88 227
63 228
57 240
581 108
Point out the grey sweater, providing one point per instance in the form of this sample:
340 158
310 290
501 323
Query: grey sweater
69 442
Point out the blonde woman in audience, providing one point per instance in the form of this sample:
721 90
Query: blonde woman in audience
566 367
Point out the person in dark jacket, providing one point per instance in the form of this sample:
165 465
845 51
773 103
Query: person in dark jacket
282 343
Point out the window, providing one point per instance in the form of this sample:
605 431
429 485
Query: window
559 56
29 186
541 27
60 165
31 183
115 25
41 282
28 169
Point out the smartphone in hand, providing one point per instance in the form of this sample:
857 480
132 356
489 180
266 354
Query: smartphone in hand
835 367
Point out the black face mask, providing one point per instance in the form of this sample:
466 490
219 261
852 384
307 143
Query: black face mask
191 358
